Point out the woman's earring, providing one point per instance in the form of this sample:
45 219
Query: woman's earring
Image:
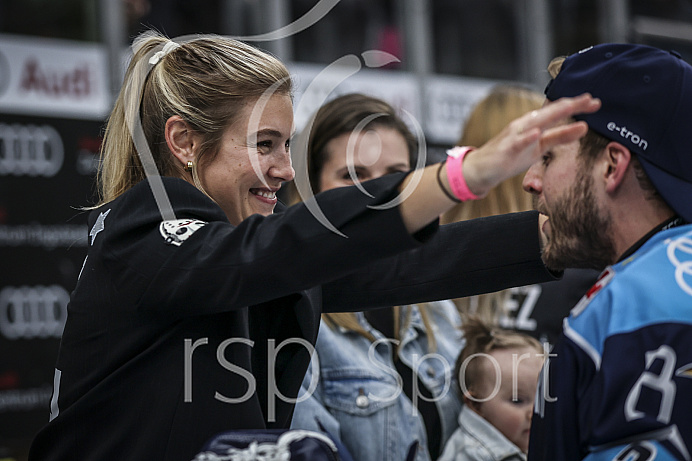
189 165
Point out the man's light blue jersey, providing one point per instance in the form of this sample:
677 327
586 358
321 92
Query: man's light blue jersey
620 378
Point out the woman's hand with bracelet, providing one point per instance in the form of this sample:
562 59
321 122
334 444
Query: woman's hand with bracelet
524 140
513 151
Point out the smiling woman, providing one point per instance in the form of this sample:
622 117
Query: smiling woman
266 149
198 305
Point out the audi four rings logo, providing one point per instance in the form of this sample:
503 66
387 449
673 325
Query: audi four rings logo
33 312
30 150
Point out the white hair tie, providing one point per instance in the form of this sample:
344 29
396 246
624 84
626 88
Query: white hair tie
167 48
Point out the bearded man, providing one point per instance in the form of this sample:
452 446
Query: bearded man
618 384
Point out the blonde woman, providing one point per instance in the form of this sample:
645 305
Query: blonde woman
192 283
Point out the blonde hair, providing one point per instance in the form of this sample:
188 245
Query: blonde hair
503 104
484 338
205 80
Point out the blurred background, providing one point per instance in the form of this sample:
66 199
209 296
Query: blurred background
62 61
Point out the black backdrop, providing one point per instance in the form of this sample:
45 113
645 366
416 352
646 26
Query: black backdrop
47 170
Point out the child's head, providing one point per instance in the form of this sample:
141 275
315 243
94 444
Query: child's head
498 373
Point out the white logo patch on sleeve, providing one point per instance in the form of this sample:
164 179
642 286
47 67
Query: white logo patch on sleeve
176 231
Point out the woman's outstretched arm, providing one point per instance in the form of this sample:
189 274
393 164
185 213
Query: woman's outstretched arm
511 152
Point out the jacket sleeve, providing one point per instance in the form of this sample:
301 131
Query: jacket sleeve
460 259
261 259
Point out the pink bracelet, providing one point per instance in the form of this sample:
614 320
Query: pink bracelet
455 173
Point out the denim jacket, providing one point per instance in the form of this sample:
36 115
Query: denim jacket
358 397
478 440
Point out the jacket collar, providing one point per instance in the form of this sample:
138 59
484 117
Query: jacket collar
480 429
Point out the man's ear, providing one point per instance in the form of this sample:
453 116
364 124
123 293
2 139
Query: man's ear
182 140
618 159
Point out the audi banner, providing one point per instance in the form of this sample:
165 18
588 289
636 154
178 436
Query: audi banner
52 108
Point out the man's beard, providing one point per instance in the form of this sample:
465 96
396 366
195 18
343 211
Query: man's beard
580 234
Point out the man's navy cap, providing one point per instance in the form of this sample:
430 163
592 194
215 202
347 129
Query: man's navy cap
646 96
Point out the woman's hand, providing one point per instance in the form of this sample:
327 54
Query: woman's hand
509 153
524 140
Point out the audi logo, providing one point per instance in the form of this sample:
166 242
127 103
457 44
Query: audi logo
30 150
33 312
